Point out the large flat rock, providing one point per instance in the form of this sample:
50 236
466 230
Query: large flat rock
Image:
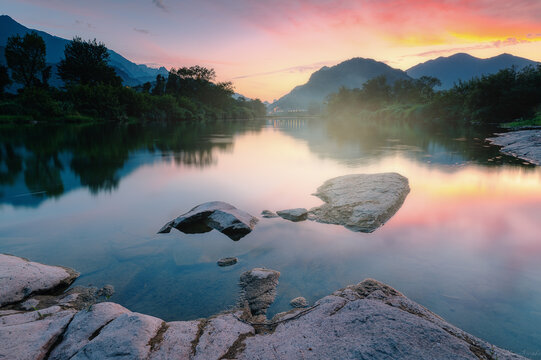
20 278
523 144
369 320
217 215
360 202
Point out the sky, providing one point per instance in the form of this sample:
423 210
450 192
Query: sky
267 47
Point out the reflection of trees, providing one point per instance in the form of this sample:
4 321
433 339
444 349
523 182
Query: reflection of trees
372 140
97 153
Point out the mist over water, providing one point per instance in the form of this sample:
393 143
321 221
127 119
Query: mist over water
465 244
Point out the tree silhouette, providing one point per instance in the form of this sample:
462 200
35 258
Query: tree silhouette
25 57
85 62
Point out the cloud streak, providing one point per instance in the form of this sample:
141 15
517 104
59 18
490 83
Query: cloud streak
160 4
293 69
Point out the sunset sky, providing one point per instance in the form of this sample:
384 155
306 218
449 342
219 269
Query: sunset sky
267 47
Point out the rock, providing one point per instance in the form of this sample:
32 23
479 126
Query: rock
30 304
85 326
178 341
129 336
268 214
524 144
360 202
299 302
20 278
30 335
218 336
259 289
217 215
298 214
228 261
352 324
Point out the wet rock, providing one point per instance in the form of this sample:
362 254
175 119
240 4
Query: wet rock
299 302
268 214
30 335
228 261
524 144
360 202
217 215
20 278
298 214
259 289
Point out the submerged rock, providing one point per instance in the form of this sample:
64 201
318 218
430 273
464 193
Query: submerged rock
228 261
524 144
268 214
360 202
299 302
217 215
20 278
259 289
298 214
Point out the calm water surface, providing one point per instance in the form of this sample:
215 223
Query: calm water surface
466 243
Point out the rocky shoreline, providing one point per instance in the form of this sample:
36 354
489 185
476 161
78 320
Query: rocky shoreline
523 144
369 320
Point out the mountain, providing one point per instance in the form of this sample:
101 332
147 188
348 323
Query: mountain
465 67
327 80
132 74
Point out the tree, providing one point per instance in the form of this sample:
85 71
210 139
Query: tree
4 78
25 57
85 62
159 87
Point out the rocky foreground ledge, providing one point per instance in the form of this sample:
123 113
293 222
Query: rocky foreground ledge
523 144
369 320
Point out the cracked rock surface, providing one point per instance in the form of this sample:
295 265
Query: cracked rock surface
369 320
524 144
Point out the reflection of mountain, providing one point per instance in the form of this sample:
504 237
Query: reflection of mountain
353 142
464 67
47 161
351 74
132 74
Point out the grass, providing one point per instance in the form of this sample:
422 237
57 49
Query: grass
535 121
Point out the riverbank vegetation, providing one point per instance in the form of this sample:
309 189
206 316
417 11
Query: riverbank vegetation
510 97
93 91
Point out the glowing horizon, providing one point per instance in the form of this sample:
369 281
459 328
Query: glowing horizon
267 48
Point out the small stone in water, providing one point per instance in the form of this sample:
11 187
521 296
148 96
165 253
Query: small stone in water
228 261
299 302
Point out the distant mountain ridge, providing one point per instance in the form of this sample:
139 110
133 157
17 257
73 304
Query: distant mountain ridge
327 80
132 74
464 67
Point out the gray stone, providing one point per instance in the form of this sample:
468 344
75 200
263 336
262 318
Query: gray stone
268 214
386 326
299 302
30 304
128 336
30 335
523 144
177 341
219 334
20 278
298 214
84 326
360 202
228 261
259 289
217 215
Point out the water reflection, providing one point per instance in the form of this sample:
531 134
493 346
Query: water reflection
38 162
465 243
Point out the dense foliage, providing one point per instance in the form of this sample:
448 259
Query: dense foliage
503 97
25 56
92 90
